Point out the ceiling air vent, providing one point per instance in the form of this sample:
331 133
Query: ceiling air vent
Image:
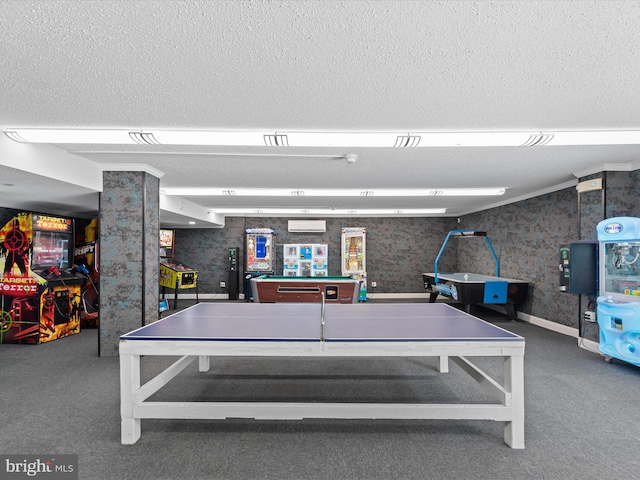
307 226
276 140
15 136
537 140
407 141
143 138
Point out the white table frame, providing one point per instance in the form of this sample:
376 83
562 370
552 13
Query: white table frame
133 395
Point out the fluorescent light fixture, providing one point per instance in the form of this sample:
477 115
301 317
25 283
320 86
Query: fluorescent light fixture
342 139
473 139
44 135
324 139
334 192
329 211
620 137
166 137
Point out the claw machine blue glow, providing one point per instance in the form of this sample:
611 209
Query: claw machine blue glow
619 299
354 256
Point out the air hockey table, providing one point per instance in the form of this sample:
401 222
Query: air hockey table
279 288
322 330
471 289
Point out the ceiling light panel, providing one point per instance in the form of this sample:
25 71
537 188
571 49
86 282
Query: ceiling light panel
323 139
315 192
620 137
38 135
328 211
174 137
341 139
473 139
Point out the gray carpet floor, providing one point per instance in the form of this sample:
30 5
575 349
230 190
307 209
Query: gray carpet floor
582 416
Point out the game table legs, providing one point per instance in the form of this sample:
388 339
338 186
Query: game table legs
130 429
514 383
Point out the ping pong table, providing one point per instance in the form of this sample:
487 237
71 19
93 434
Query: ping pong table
207 330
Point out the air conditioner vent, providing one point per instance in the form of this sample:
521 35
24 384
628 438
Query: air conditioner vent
307 226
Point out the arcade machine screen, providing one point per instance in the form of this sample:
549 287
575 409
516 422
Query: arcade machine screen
51 249
166 244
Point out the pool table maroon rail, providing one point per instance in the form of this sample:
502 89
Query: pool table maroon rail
277 289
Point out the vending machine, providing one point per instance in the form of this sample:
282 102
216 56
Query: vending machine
305 260
260 258
354 257
619 300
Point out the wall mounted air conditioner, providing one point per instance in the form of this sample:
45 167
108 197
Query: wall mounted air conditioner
307 226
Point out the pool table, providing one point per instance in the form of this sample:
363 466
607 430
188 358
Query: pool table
278 288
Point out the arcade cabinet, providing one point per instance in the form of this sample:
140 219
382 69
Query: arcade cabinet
259 243
354 257
618 310
86 261
40 292
173 274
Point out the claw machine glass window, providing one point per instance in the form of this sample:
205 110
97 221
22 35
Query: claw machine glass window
620 258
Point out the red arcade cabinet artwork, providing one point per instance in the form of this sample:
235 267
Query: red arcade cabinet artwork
39 296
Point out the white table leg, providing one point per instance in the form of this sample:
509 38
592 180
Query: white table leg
130 429
443 364
203 363
514 383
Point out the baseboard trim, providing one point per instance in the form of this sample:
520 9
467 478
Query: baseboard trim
583 343
200 296
381 296
549 325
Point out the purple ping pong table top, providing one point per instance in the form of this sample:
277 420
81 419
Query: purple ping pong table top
302 322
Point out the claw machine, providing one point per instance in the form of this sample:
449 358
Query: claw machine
619 300
260 258
354 254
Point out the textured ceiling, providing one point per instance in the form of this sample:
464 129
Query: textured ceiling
323 66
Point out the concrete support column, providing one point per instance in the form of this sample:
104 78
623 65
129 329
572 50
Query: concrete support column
128 255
